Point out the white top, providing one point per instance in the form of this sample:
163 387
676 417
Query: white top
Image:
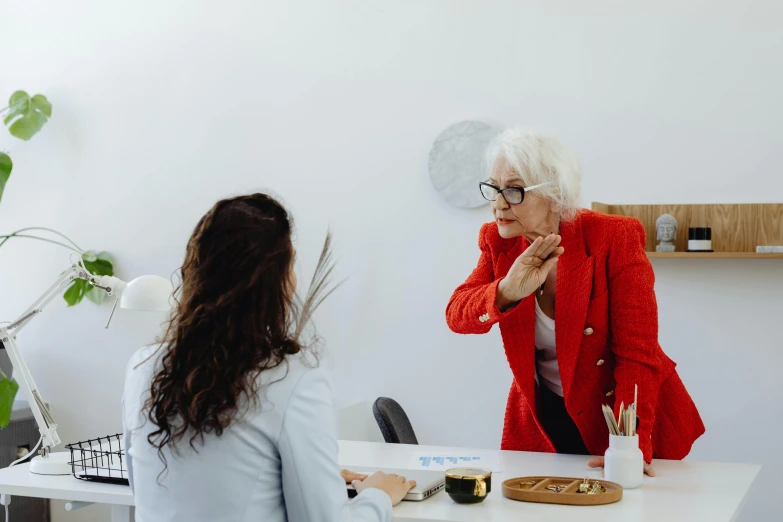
546 352
277 463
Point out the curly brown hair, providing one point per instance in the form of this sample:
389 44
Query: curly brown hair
236 316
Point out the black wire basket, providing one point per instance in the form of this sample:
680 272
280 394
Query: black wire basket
100 460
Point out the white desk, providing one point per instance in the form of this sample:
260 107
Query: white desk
19 481
688 491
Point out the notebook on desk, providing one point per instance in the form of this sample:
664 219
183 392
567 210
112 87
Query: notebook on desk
427 482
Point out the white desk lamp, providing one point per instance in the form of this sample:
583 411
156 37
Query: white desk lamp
143 293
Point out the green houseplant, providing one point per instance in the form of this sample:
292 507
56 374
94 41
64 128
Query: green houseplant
24 117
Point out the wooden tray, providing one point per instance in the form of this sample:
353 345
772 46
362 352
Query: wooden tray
533 489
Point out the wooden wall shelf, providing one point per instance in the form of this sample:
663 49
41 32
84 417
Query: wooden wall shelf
713 255
736 228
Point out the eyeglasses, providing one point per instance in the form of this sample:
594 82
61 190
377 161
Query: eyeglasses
512 195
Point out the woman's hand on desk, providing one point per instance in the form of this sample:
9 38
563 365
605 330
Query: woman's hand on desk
529 270
396 486
349 476
598 462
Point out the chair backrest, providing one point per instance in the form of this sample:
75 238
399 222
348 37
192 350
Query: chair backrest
394 424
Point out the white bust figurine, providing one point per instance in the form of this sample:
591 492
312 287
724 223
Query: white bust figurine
666 227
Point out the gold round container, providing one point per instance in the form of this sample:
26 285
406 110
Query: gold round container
468 485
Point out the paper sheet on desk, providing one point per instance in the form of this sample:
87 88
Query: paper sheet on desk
442 461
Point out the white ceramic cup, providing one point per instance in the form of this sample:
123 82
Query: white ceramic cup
624 462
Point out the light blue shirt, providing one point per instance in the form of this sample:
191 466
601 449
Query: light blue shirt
276 462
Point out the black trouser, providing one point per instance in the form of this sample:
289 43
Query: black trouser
558 423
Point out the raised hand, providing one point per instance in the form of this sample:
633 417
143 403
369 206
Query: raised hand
529 270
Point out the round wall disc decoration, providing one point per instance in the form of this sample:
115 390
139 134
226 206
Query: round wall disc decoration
457 162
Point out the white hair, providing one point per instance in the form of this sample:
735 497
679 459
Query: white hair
539 159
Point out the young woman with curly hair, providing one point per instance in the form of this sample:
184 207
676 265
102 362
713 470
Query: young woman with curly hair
228 418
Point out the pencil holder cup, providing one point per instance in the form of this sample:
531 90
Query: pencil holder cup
624 462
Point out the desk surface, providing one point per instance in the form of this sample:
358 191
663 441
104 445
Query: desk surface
681 491
19 481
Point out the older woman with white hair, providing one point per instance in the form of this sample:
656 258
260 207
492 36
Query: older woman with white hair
572 291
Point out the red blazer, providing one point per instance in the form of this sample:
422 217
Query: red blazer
606 332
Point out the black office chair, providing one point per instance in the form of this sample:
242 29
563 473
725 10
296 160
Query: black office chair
394 424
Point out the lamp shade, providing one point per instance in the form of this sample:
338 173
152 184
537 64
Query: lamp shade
148 292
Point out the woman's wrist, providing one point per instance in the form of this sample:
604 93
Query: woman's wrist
502 302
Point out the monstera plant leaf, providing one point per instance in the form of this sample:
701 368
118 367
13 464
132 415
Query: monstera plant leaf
6 165
8 389
98 264
26 115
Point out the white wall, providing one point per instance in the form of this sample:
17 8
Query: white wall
160 108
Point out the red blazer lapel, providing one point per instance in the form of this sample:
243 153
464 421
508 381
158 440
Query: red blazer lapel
517 327
572 297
